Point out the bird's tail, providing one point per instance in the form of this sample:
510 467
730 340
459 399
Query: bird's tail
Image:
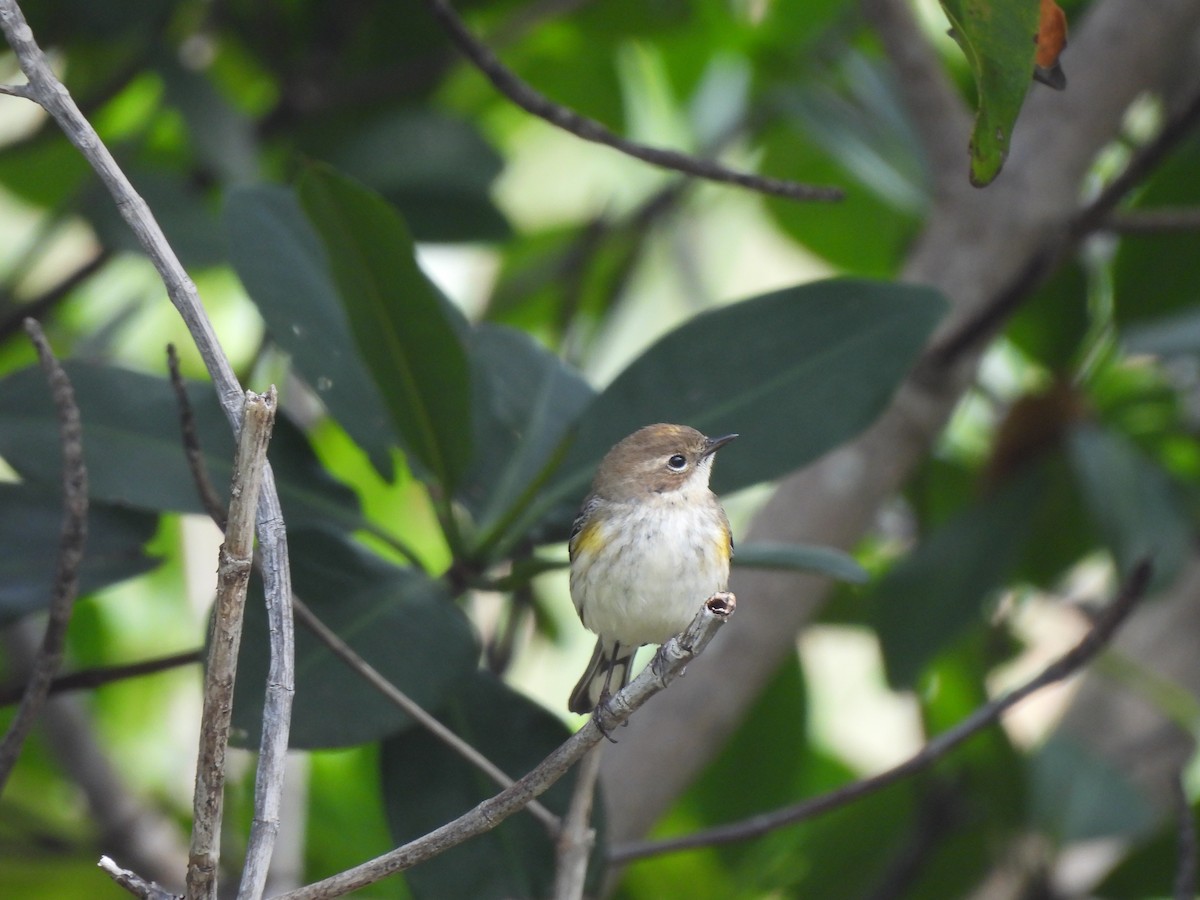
609 670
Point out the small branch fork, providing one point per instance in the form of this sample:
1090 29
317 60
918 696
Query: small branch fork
233 576
1067 664
525 96
668 664
72 539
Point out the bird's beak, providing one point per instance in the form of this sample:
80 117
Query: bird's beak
712 445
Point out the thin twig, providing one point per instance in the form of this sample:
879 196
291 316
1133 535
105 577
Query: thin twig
1185 869
414 711
233 577
668 663
525 96
40 306
1163 220
72 539
52 95
578 838
102 675
134 883
1084 223
1070 662
191 444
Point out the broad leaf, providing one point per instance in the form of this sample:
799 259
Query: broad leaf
933 594
396 317
398 620
427 785
526 399
134 452
998 37
1135 505
29 536
802 557
796 373
282 263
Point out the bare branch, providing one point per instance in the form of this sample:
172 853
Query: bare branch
236 561
102 675
53 96
191 444
1067 664
371 675
70 555
134 883
668 664
578 838
1084 223
1153 221
525 96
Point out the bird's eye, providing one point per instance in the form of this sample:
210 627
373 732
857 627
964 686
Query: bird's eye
677 463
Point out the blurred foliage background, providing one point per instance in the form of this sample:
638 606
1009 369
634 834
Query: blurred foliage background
463 308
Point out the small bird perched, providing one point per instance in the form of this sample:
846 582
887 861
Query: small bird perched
649 546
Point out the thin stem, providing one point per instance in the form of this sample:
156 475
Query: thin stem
102 675
70 555
525 96
1071 661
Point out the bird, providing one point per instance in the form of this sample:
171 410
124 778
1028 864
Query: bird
651 543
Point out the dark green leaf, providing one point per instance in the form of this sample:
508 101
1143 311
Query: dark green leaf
1149 870
1077 796
398 620
1051 325
1177 334
436 169
1137 508
820 560
396 317
181 208
283 265
29 537
427 785
933 594
526 400
795 372
998 38
134 452
1153 274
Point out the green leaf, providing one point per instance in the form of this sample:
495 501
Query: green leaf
1153 275
1078 796
526 400
134 452
29 538
796 372
933 594
1149 870
998 38
427 785
396 317
398 620
1133 501
438 170
805 558
282 264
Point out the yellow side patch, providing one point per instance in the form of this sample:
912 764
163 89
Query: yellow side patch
590 539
